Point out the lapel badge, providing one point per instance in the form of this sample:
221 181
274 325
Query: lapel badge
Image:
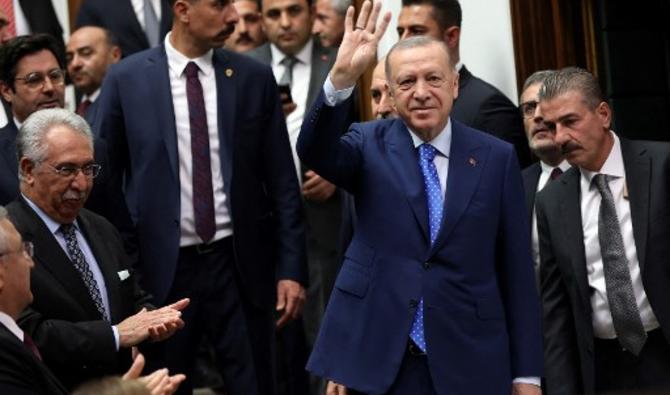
229 73
324 58
472 161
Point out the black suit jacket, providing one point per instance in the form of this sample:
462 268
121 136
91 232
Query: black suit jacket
119 17
9 177
568 329
21 373
42 18
74 341
531 176
482 106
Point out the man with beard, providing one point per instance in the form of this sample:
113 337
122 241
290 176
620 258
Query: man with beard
541 142
248 32
199 144
89 53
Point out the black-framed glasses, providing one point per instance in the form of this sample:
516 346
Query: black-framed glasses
90 170
36 80
528 108
27 248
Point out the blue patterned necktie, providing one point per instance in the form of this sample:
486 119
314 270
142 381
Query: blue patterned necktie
79 261
435 205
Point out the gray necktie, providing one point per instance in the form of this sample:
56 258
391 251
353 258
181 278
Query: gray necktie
288 63
151 24
625 315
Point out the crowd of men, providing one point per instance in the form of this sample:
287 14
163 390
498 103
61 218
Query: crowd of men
216 210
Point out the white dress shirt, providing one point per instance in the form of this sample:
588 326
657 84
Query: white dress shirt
302 72
138 7
93 97
176 64
11 325
590 206
20 21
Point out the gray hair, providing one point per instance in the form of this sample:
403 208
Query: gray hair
30 140
340 6
413 42
573 79
537 77
3 236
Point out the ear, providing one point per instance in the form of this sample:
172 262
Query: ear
7 92
180 10
455 86
604 113
27 171
115 53
451 36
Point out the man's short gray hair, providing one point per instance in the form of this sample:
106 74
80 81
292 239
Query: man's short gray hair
30 140
340 6
413 42
3 236
537 77
573 79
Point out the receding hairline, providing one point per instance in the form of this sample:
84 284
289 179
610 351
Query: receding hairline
411 43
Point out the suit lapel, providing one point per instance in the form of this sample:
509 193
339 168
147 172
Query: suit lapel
226 88
136 28
158 78
570 216
322 61
638 181
467 159
405 164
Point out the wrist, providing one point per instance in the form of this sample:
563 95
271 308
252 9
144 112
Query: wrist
340 79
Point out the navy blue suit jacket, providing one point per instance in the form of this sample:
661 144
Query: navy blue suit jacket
482 315
136 118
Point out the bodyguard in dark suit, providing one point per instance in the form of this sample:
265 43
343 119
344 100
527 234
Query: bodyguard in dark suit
88 308
201 144
479 104
604 229
421 302
541 142
121 18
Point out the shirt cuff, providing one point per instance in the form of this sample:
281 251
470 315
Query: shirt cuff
527 380
333 96
116 337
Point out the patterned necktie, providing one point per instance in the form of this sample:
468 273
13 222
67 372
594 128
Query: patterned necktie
8 7
288 63
203 192
83 107
555 173
28 342
79 261
435 205
625 315
151 24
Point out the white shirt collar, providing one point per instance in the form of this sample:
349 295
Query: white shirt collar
459 66
564 166
11 325
177 61
304 56
441 142
613 165
52 225
92 97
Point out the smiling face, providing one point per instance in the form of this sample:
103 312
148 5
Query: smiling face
581 131
424 87
25 99
288 24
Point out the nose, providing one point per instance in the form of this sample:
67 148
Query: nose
231 15
80 182
242 26
421 90
284 20
385 104
405 35
48 86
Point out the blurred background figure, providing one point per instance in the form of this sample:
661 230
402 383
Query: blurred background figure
329 21
249 32
113 386
381 101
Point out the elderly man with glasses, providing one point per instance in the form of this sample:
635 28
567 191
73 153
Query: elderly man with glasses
88 309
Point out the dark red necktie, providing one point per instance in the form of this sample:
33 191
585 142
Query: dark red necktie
555 173
28 342
83 107
203 193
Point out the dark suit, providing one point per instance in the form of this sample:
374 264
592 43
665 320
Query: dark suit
75 342
258 176
9 173
482 106
531 176
21 373
120 18
482 326
569 338
42 18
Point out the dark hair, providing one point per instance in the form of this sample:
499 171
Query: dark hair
573 79
537 77
447 13
17 48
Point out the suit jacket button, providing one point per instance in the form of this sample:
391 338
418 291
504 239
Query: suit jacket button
413 303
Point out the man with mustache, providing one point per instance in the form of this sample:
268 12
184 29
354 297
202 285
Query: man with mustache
89 53
88 309
604 228
381 101
199 144
249 32
541 142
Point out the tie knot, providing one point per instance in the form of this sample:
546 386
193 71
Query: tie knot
191 70
66 230
556 173
427 152
289 62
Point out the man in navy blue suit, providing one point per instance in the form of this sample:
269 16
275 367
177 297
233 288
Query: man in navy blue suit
435 295
198 138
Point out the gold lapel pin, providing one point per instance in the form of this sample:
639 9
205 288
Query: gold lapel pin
472 162
229 73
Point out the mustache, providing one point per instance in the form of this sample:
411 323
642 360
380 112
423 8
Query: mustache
230 28
71 194
569 146
244 38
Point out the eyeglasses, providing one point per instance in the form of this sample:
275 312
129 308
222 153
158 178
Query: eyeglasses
27 248
36 79
528 108
90 170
